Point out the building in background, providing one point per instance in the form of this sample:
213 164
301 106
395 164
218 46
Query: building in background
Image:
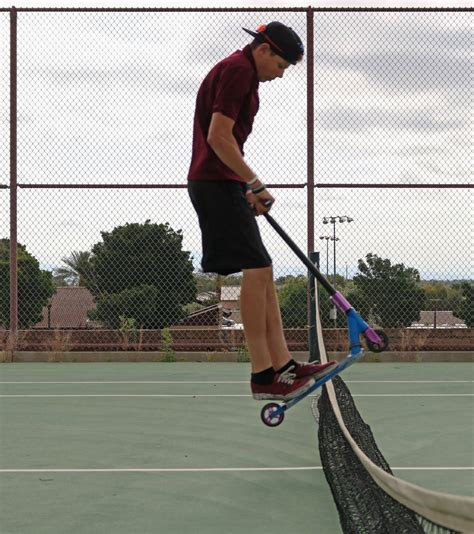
438 319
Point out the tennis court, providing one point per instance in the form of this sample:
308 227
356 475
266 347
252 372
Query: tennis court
180 448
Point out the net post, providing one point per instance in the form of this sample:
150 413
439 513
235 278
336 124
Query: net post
314 354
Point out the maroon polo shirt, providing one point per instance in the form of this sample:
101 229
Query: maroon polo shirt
230 88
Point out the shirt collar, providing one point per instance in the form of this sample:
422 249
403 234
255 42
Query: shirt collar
247 51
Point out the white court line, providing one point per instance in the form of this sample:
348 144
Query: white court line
163 470
230 382
211 469
140 382
248 396
120 395
410 381
414 395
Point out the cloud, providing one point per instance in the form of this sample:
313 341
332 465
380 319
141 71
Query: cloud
404 71
348 119
110 98
405 52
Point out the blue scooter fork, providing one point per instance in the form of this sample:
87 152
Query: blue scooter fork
357 326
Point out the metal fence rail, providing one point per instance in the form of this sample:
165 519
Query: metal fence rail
366 145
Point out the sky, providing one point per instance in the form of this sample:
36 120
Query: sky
110 99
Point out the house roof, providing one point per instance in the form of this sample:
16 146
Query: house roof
69 307
443 319
209 316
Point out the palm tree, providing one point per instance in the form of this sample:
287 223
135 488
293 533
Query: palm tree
78 270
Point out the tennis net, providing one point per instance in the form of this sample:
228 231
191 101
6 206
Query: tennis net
369 499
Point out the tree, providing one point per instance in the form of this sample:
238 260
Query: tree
35 287
465 310
293 295
325 305
233 280
145 305
282 280
293 301
139 271
389 295
442 295
205 281
77 270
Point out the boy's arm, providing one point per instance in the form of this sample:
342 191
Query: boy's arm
223 143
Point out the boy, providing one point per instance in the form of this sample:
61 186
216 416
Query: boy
227 194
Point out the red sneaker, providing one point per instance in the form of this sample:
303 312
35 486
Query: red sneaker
314 369
285 386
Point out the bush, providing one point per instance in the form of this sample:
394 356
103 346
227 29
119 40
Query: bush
141 272
35 287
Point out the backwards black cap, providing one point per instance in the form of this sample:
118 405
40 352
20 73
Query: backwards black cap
282 40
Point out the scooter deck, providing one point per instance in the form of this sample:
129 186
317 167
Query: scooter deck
340 367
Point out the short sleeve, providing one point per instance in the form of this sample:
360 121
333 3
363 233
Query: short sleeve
232 88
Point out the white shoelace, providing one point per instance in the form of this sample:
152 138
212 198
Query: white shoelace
287 377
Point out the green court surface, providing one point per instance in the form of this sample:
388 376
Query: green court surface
179 447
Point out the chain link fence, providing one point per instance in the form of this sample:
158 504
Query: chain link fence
109 249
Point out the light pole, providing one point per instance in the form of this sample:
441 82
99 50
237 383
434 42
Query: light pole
333 219
327 238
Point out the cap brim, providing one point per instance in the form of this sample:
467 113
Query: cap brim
253 34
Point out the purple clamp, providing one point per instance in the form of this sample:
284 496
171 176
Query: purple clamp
340 302
372 336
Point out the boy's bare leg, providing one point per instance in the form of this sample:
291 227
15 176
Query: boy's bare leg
253 309
276 342
261 316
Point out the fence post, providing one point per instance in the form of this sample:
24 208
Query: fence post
314 354
13 184
310 124
310 172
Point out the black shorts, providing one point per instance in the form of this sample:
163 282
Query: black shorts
230 236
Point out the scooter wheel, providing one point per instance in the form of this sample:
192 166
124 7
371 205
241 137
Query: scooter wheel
378 347
267 414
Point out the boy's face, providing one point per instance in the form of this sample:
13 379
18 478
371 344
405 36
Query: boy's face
269 65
